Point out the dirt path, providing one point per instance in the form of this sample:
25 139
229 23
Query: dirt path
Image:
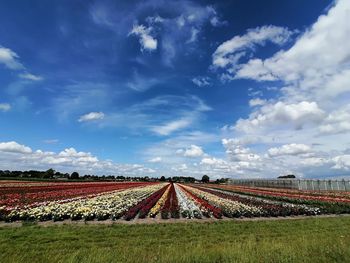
161 221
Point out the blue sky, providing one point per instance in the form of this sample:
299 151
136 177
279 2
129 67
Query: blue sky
234 89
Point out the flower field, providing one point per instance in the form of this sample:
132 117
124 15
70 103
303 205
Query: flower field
159 201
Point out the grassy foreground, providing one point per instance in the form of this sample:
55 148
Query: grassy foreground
306 240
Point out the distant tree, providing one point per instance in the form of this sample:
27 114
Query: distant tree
162 179
288 176
120 178
74 175
205 179
49 173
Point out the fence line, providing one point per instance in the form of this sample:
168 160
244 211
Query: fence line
300 184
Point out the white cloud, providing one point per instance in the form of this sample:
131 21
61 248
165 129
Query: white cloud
92 116
229 52
5 106
155 160
314 161
216 22
342 162
30 76
181 27
9 58
297 115
194 35
312 61
71 152
310 106
337 122
201 81
187 111
172 126
14 147
15 156
147 41
289 149
237 153
194 151
212 161
257 102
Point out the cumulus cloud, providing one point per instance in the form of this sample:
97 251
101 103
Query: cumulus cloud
341 162
14 147
15 156
289 149
147 41
311 105
309 57
336 122
238 153
92 116
314 161
194 151
296 114
5 107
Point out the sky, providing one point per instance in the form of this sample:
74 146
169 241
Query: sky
234 89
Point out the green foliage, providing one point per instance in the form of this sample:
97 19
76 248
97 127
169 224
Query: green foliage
288 176
205 179
302 240
74 175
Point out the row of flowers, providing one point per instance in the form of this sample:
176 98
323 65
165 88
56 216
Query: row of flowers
160 203
143 207
171 205
206 209
188 208
307 195
325 205
112 205
229 208
326 193
11 197
268 207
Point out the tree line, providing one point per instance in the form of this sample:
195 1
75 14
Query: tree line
55 175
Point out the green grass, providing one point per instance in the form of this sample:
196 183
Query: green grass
306 240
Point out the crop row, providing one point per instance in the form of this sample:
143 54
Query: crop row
164 200
111 205
326 205
306 195
31 195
